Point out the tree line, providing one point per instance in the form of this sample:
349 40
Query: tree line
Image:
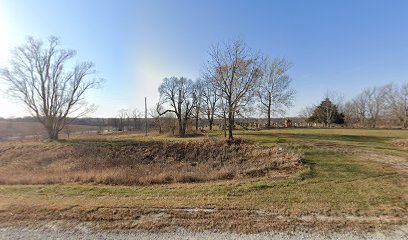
43 78
381 106
234 81
386 104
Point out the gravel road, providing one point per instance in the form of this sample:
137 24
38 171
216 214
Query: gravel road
54 232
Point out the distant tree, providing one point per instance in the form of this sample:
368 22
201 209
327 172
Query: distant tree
351 113
357 110
67 130
122 116
40 78
306 114
379 104
178 94
210 99
198 89
136 117
275 93
234 71
327 113
397 100
170 122
376 104
156 113
101 123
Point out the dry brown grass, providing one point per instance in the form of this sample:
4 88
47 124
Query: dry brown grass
402 143
139 163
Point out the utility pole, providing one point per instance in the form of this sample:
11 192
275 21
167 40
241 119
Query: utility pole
145 116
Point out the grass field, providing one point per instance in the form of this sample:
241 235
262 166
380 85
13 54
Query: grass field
15 130
349 179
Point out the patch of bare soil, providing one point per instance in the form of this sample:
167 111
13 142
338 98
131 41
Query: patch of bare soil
197 219
399 164
55 230
141 163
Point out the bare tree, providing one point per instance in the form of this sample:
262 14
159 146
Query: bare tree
224 117
101 123
178 94
275 93
67 130
397 99
306 113
164 120
170 122
136 117
234 70
38 77
122 115
156 113
197 99
359 104
368 107
375 104
351 113
372 105
210 99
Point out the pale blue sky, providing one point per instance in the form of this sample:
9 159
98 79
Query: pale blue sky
337 45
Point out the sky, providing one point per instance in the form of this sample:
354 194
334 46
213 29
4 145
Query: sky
340 46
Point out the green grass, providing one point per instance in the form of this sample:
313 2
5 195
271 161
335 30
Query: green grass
368 139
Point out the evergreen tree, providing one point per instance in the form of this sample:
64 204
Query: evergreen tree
327 113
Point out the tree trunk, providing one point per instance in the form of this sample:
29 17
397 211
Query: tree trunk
268 125
184 127
52 133
182 132
224 126
230 125
196 123
210 123
180 124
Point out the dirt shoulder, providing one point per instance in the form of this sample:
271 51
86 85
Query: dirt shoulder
55 231
111 218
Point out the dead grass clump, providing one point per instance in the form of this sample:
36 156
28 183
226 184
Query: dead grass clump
402 143
141 163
